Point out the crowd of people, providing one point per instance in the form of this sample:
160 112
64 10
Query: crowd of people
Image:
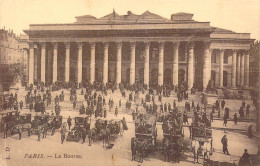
97 102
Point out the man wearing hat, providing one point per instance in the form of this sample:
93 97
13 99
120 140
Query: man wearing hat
224 141
246 159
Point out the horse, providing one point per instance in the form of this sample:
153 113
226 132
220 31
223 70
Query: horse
105 136
195 149
133 147
166 149
91 134
206 148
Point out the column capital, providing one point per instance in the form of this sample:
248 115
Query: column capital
161 44
247 51
147 44
176 44
55 45
235 50
118 44
105 44
31 44
79 44
92 44
43 44
67 44
222 51
191 45
132 44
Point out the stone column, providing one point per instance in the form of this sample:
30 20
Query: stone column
146 64
160 65
67 62
175 66
92 62
242 69
43 52
206 65
55 62
247 69
31 63
191 66
221 58
118 62
79 44
132 64
234 68
105 64
238 69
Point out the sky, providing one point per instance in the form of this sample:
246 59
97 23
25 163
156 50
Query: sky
242 16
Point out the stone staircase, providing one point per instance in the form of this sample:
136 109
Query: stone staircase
234 93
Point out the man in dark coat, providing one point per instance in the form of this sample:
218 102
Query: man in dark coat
246 159
224 142
223 104
116 111
235 118
69 120
84 134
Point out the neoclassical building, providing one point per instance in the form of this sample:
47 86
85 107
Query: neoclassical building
138 48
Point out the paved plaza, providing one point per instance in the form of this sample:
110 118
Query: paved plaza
76 153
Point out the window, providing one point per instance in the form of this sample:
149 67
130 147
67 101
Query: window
226 59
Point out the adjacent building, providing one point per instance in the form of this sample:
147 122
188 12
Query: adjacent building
143 48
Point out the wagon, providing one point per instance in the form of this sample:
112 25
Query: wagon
201 136
115 127
82 124
39 121
23 122
173 134
145 128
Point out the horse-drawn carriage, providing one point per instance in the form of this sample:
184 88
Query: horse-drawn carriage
82 126
143 144
201 135
46 123
22 122
173 135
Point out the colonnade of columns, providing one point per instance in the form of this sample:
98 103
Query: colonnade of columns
240 68
240 63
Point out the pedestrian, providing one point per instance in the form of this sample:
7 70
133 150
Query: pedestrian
247 111
63 133
5 130
83 137
21 104
224 142
245 159
250 131
223 103
20 133
116 111
185 118
235 118
105 113
211 116
69 122
39 133
225 120
192 104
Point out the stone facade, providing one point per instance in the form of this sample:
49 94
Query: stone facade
143 48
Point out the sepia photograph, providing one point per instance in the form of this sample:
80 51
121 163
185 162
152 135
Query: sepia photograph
129 82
